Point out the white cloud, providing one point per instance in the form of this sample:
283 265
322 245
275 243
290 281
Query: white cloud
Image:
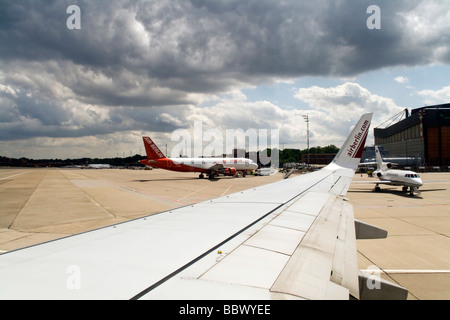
8 90
234 112
437 96
428 26
401 79
337 108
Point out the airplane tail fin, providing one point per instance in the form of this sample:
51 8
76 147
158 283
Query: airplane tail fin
380 164
153 152
349 156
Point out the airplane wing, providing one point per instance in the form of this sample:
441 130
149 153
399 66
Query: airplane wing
217 167
293 239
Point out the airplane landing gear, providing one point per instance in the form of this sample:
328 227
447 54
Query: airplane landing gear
412 190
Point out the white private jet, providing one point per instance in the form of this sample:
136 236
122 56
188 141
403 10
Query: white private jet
387 176
292 239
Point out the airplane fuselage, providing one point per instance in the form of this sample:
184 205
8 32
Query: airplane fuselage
202 165
400 177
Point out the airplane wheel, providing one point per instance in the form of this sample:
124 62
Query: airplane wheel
405 189
377 189
201 176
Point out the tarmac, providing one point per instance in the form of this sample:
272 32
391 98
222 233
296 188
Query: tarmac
39 205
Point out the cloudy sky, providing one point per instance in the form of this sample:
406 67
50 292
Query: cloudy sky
151 67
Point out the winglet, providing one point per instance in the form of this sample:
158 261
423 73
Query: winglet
152 150
349 156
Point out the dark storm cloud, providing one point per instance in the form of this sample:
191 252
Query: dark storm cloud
206 40
152 54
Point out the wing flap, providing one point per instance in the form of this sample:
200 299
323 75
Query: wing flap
345 263
309 272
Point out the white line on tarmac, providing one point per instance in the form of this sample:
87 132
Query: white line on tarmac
15 175
406 271
226 190
190 194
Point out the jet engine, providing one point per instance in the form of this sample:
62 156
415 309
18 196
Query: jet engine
229 172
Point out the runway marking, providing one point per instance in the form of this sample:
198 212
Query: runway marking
226 191
403 206
190 194
15 175
209 195
406 271
151 194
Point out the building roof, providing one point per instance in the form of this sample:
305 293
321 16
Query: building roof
434 116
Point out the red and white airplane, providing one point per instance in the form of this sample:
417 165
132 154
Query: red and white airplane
210 166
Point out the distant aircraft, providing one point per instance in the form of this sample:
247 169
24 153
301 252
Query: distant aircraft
210 166
291 239
98 166
388 176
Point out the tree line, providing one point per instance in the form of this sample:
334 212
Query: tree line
285 156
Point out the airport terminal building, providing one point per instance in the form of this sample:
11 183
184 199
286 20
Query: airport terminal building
424 133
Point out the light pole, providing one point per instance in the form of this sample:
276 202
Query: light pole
306 117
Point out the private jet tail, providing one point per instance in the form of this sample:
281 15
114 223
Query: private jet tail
349 156
380 164
153 152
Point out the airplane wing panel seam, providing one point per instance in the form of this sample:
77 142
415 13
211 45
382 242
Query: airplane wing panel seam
266 249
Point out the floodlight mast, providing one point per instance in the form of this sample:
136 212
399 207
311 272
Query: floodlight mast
306 117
